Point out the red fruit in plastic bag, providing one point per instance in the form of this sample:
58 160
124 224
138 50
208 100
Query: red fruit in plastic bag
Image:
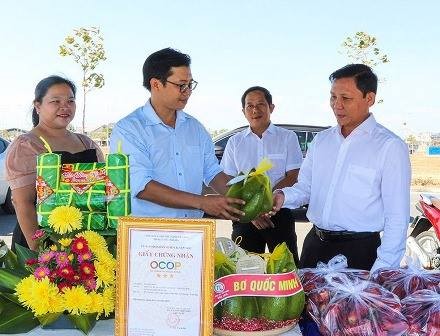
385 275
394 327
434 318
364 329
414 284
399 290
323 296
353 318
433 330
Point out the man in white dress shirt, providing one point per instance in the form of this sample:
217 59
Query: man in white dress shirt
245 150
356 180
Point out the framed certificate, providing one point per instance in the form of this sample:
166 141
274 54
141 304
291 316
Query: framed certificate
165 276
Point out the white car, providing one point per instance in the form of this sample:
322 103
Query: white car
5 192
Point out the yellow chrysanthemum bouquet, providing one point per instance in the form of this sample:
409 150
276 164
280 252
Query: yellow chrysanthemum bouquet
72 275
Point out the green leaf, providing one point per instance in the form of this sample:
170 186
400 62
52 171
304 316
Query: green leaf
3 301
8 257
10 297
48 318
15 319
84 322
8 280
24 254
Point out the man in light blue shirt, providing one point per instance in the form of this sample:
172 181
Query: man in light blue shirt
171 154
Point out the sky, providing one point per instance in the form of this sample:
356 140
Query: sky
289 47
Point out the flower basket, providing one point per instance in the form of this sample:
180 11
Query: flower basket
69 282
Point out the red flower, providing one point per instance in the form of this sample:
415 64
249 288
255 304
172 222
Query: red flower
84 257
38 234
76 277
63 285
90 284
87 270
66 272
79 245
31 261
53 275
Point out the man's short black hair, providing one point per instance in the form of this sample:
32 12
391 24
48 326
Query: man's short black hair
158 65
364 77
265 91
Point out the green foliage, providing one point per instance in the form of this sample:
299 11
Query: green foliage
48 318
8 280
16 319
411 139
86 47
362 48
84 322
215 133
24 254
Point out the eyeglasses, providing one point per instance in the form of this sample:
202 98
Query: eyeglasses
185 86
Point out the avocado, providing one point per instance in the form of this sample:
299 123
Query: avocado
240 306
281 308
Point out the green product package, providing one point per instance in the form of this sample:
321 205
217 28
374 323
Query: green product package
256 190
48 178
239 306
92 199
281 308
118 172
100 190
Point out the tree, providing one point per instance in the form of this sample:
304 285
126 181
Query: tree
87 49
412 142
362 48
411 139
214 133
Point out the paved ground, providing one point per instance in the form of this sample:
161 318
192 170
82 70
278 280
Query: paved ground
7 224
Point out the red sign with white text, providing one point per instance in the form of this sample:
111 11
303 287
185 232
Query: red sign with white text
284 284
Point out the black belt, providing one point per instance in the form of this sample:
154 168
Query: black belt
326 235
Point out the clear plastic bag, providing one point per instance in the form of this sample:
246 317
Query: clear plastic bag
406 281
348 307
313 278
422 310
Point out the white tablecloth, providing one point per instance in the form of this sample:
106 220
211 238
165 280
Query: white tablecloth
104 328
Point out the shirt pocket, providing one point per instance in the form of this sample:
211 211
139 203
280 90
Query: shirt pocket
359 181
278 171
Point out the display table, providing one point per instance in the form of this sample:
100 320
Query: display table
105 328
102 328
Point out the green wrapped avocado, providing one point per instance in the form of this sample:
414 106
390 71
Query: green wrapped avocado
281 308
256 191
239 306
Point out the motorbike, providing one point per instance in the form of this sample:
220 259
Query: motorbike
424 240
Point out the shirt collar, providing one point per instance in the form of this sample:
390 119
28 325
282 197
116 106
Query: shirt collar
151 117
270 129
366 127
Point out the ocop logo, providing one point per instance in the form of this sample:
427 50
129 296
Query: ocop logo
165 265
219 287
